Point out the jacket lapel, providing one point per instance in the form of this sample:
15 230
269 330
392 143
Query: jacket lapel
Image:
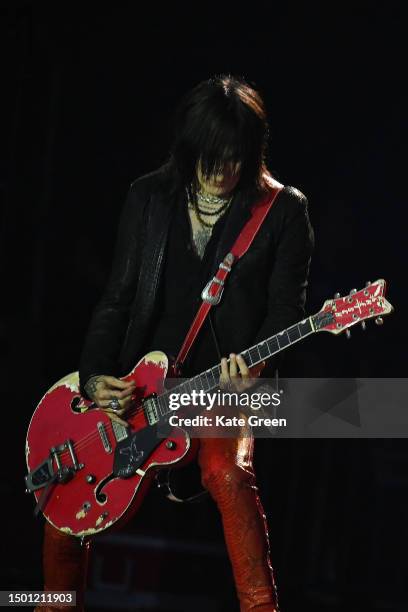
156 235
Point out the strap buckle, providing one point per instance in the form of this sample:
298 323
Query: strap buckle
206 295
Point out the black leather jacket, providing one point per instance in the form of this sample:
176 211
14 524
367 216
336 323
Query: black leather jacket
264 293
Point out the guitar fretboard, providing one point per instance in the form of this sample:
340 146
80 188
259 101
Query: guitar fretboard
209 380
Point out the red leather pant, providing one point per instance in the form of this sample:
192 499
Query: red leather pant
227 473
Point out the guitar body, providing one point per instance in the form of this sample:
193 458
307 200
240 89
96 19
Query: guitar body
111 467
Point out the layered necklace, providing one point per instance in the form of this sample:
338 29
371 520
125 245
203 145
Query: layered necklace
207 208
207 205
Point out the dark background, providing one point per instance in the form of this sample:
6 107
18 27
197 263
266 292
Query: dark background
89 90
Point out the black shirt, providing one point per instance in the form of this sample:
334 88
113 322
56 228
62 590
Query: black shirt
184 277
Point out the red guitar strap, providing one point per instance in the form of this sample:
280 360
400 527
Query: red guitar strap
212 292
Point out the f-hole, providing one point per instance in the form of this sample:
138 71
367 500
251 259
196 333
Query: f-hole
102 498
78 405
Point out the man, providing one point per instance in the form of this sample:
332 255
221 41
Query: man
177 225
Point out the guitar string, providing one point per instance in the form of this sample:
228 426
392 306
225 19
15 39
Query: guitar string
95 435
92 437
134 412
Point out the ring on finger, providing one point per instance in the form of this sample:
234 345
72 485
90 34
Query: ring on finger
114 404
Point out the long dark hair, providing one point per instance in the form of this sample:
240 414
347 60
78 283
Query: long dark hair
221 119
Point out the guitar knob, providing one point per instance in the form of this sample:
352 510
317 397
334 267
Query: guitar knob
363 325
348 334
90 478
379 320
336 296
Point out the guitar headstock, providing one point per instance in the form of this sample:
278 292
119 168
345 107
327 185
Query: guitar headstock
339 314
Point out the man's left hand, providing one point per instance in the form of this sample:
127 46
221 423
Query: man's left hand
236 375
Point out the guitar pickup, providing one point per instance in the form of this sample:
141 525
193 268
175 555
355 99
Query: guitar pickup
150 408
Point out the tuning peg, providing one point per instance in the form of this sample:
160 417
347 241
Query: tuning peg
368 283
336 296
353 291
363 325
379 320
348 334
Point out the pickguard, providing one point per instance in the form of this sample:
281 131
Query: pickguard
134 450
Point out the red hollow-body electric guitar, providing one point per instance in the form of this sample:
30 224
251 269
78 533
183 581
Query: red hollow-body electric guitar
89 473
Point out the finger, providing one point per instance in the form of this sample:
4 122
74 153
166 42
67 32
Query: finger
117 383
126 392
233 369
122 394
224 367
243 368
108 394
125 405
224 377
106 404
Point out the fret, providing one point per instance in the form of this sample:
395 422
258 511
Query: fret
203 382
305 327
184 387
245 355
216 374
273 345
283 339
196 383
263 350
253 357
294 333
209 379
164 403
160 402
181 388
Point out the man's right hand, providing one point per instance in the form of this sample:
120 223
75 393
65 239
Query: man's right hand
102 389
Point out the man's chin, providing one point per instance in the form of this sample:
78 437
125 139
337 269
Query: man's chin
221 192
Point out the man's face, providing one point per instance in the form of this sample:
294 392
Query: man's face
222 183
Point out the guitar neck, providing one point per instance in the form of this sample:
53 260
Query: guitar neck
209 380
